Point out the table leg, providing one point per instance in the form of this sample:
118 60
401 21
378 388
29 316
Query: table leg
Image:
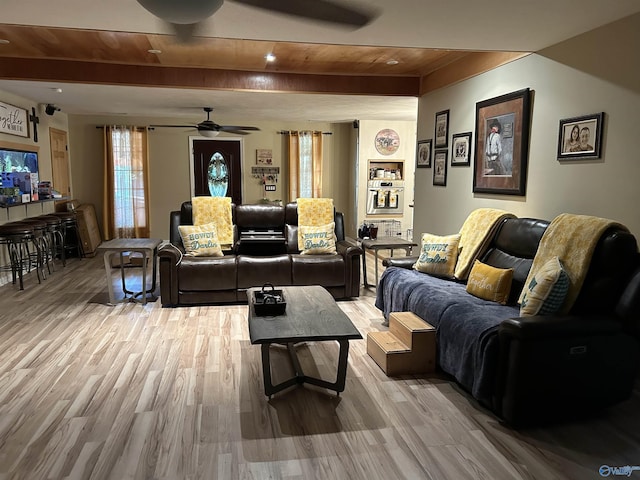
300 377
375 253
107 268
144 277
147 255
124 285
154 259
269 387
364 267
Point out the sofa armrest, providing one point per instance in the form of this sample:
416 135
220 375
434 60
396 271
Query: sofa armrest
552 367
348 247
402 262
552 326
170 258
351 252
174 231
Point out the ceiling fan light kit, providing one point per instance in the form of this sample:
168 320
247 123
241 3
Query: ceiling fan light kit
183 12
180 13
209 133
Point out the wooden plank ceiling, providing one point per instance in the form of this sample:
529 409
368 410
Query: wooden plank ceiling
91 56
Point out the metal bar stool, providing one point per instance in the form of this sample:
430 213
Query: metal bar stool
16 236
70 224
56 239
41 243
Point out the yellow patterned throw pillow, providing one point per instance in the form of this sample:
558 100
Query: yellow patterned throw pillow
438 255
318 240
490 283
314 212
201 240
546 291
215 210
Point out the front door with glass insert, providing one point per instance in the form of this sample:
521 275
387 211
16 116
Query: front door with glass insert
217 171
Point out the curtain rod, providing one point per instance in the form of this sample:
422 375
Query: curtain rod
126 126
287 132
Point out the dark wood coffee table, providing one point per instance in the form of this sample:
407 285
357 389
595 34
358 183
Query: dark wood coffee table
312 315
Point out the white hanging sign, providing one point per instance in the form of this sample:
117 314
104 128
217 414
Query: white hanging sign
13 120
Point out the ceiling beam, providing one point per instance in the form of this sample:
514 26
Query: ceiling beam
466 67
203 78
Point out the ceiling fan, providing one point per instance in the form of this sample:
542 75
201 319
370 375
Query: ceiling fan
209 128
185 15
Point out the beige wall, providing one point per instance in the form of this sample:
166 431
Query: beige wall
170 163
562 88
406 152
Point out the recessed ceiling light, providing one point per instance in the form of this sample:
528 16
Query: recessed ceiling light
57 89
270 57
155 51
392 62
4 41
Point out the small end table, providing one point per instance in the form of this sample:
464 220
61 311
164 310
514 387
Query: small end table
148 247
383 243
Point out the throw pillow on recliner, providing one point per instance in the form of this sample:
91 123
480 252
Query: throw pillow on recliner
317 240
201 240
547 290
490 283
438 255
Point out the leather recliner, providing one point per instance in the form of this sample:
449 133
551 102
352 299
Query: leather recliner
265 250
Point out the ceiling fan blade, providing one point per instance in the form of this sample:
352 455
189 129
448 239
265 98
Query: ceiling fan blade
227 128
239 132
174 126
321 10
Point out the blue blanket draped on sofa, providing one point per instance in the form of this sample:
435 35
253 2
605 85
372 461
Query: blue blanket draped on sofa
467 350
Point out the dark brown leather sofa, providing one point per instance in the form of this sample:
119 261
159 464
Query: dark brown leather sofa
538 369
265 250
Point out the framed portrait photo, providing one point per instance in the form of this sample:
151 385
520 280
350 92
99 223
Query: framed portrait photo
440 167
461 149
442 129
423 154
502 144
581 137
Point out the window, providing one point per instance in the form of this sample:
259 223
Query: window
126 192
305 165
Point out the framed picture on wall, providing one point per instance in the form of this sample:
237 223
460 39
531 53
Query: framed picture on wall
423 154
440 167
264 156
14 120
461 149
502 144
581 137
442 129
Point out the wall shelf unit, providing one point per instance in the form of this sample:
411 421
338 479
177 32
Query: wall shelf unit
26 204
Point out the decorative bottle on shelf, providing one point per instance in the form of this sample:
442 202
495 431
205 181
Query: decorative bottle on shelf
363 231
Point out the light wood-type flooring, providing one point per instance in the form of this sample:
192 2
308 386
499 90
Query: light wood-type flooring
91 391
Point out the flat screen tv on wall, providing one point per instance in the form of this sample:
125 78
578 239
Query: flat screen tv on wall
18 176
16 161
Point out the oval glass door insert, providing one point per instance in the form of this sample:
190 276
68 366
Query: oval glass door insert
218 175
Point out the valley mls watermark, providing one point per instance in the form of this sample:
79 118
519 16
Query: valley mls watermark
626 471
